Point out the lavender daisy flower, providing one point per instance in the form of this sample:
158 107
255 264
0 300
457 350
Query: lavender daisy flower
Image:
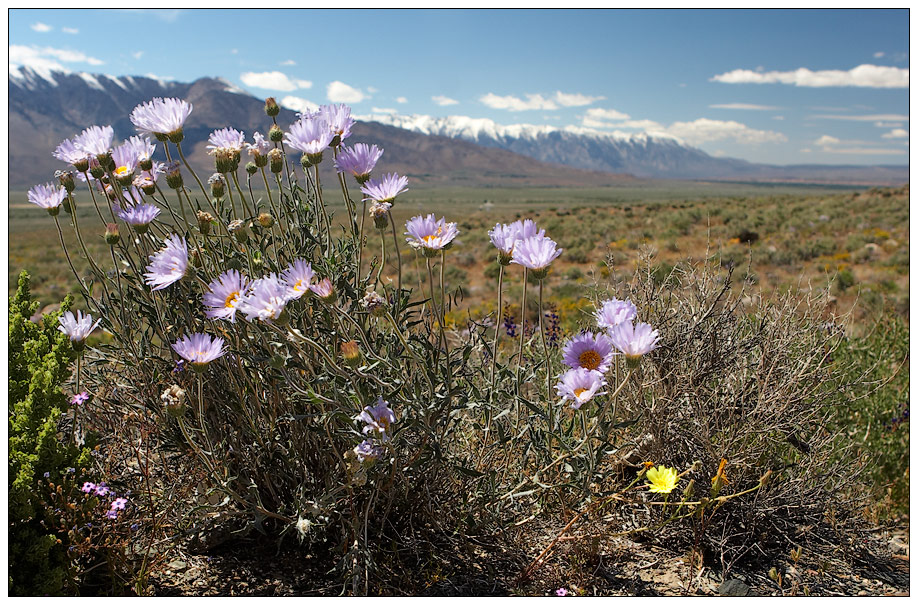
386 189
430 234
593 352
634 341
504 237
378 419
580 385
311 136
527 229
368 452
199 349
96 140
259 149
162 118
265 300
358 160
324 290
614 312
224 295
78 327
69 152
298 276
143 147
126 159
339 119
48 196
169 264
138 216
536 253
226 138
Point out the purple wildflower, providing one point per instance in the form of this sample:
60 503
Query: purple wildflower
68 151
561 592
378 419
368 452
95 140
260 147
430 234
309 135
634 341
79 398
88 487
536 253
169 264
226 138
199 349
48 196
613 312
119 503
324 289
586 350
509 326
77 327
386 189
101 489
339 119
358 160
580 385
265 300
138 216
224 295
162 118
299 277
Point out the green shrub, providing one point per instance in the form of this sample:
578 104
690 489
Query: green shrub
40 358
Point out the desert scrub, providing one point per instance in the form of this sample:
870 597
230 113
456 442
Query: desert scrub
43 464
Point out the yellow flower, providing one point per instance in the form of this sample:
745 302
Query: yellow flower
662 479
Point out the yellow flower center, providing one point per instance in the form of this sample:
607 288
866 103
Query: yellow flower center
590 360
579 391
231 299
122 170
298 286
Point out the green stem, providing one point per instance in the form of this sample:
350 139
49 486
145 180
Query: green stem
545 351
395 242
192 171
523 322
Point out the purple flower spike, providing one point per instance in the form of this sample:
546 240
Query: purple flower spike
169 264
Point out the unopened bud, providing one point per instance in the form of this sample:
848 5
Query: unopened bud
351 353
145 164
765 479
315 158
265 220
174 401
106 161
174 176
271 107
275 134
251 168
112 237
218 185
205 219
66 179
95 169
690 488
67 205
305 161
195 258
277 161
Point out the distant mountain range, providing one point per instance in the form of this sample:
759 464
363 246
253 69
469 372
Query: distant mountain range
47 107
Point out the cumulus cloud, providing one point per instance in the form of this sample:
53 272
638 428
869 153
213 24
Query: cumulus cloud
439 100
41 28
298 104
70 30
869 76
748 106
537 101
606 114
833 145
339 92
382 110
401 100
46 58
289 62
826 140
273 81
897 133
705 130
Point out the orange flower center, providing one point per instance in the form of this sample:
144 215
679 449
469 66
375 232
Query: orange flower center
579 391
231 299
590 360
121 170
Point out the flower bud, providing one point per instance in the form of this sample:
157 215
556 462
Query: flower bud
68 207
239 230
265 220
251 168
271 107
174 401
275 134
315 158
218 185
277 161
82 165
205 219
176 136
261 161
66 179
324 290
95 169
196 260
112 237
174 176
106 161
351 353
374 303
690 488
145 164
305 161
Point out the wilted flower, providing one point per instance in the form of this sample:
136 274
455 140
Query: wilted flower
299 277
536 253
661 479
379 211
303 526
77 327
199 349
239 230
586 350
431 234
174 399
378 419
48 196
265 299
634 341
368 452
386 189
162 118
374 303
265 220
205 219
358 160
614 312
218 185
224 293
324 290
169 264
580 385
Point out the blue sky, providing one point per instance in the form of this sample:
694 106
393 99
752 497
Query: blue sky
777 86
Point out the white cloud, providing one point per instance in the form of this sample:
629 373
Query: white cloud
704 130
339 92
401 100
138 54
439 100
826 140
372 89
46 58
832 145
750 106
878 54
289 62
298 104
383 110
778 117
869 118
606 114
897 133
870 76
70 30
888 124
537 101
273 81
41 28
